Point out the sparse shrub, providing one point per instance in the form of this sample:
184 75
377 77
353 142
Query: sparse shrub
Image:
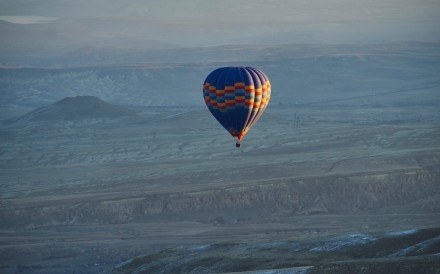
220 220
217 220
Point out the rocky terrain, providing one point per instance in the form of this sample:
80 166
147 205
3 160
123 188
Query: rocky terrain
110 168
408 251
156 184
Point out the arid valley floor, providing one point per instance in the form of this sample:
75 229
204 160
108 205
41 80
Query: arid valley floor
337 183
105 192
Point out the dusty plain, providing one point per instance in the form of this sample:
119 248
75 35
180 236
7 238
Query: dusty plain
324 183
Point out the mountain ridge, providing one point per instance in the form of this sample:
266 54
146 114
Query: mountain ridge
75 109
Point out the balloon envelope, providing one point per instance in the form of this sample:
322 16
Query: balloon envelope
237 97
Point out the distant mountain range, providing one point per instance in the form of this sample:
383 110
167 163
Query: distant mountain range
75 109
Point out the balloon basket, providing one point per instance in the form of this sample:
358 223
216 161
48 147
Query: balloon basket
237 144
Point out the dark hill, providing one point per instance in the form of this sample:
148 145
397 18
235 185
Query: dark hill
76 108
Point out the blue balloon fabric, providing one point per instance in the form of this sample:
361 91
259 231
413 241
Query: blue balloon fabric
237 97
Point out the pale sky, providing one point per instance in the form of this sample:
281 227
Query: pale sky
136 24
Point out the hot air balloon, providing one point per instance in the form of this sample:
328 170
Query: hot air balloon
237 97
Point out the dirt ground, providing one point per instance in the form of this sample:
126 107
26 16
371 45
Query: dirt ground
88 197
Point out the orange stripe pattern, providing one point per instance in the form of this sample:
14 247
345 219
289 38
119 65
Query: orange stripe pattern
237 97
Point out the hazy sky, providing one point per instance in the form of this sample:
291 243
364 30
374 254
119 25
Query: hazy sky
134 24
